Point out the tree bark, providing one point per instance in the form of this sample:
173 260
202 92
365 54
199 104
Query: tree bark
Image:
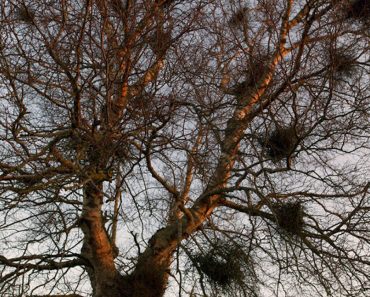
97 247
151 275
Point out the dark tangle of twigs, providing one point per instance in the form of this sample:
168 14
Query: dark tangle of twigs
289 216
279 143
343 64
222 265
25 14
359 9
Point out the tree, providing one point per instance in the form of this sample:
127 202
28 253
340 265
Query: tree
197 148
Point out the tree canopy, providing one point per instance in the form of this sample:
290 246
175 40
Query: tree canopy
184 148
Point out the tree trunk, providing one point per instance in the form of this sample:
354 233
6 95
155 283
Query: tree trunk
151 275
149 278
97 247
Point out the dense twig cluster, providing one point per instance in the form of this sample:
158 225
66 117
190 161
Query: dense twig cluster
289 216
255 70
222 264
342 64
280 143
359 9
160 42
25 14
239 18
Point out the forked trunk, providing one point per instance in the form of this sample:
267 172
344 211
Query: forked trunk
151 274
148 280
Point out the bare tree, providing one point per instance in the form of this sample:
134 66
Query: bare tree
184 148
